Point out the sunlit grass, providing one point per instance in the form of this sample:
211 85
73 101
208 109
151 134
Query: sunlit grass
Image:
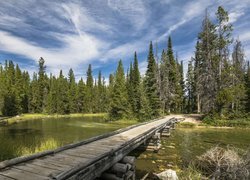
186 125
25 117
48 144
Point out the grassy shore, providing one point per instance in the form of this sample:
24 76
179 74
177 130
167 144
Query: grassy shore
25 117
192 121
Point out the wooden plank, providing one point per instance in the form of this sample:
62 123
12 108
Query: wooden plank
66 166
2 177
67 160
49 165
32 168
24 175
78 154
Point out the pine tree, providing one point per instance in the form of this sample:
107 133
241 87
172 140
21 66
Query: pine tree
207 81
119 97
236 77
19 91
130 86
62 98
190 87
197 77
247 106
136 81
89 90
81 96
10 107
34 94
2 86
173 78
182 88
151 84
72 92
52 97
145 110
164 83
26 92
224 40
42 87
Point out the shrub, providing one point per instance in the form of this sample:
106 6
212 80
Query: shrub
220 163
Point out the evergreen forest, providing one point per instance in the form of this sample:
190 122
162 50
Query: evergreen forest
217 82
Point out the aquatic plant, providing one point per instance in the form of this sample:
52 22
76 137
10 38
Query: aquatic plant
43 146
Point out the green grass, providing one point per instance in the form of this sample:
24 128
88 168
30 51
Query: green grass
186 125
25 117
125 121
49 144
243 123
190 173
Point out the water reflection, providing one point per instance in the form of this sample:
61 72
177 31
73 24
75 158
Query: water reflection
185 144
38 135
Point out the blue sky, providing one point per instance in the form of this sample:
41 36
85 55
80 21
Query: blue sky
74 33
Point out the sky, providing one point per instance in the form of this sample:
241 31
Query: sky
75 33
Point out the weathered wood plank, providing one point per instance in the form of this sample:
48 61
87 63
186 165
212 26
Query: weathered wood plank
49 165
68 160
58 164
32 168
78 154
24 175
2 177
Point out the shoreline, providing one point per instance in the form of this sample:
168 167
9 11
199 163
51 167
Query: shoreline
27 117
194 121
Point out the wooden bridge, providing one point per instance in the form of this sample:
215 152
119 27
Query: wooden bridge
84 160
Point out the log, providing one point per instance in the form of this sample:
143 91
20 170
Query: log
130 175
119 167
173 126
129 160
109 176
156 136
165 134
131 167
145 176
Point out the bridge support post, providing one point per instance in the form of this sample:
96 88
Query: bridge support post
173 125
166 132
123 170
153 144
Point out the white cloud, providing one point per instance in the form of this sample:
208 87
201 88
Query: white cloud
76 49
134 11
245 36
81 18
234 16
191 10
143 67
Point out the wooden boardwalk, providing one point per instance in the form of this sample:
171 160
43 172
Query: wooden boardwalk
83 160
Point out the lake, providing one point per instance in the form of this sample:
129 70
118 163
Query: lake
27 136
177 151
185 144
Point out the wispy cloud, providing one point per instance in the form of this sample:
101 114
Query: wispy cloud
74 33
77 49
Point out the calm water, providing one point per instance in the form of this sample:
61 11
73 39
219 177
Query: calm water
185 144
18 138
177 151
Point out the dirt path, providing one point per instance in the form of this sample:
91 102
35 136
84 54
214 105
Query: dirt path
191 118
